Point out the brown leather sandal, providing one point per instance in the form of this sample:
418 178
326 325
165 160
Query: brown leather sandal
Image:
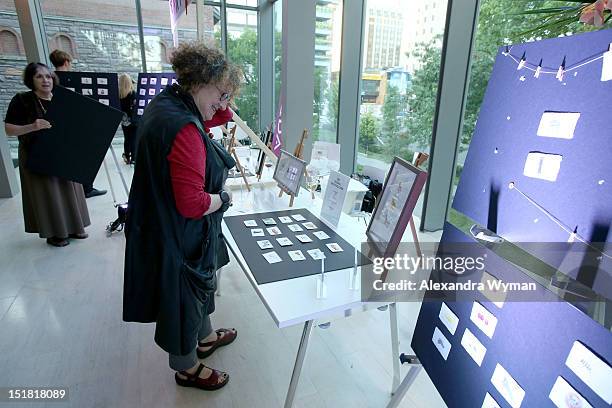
208 384
224 337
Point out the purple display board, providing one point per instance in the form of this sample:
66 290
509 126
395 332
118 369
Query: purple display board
531 341
506 135
148 86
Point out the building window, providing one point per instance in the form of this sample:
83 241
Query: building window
64 43
163 53
9 42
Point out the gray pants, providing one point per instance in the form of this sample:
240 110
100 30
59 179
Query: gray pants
182 363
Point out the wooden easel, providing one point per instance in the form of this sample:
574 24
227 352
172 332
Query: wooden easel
231 148
299 153
420 159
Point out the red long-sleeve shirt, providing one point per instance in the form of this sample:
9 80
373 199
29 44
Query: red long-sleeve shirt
187 161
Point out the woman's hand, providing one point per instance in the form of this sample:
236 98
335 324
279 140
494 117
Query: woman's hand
40 124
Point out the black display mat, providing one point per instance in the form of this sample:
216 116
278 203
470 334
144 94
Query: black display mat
531 341
75 146
148 86
289 269
104 86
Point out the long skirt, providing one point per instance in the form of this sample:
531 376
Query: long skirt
52 207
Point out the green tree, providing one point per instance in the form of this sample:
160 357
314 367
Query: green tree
392 115
368 131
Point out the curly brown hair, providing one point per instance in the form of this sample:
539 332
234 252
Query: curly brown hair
196 64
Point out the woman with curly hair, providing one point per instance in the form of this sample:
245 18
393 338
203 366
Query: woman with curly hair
174 242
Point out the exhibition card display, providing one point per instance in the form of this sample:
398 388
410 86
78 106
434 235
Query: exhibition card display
595 373
309 225
441 343
507 387
104 102
297 255
316 254
489 402
559 125
269 221
100 86
303 238
295 228
153 81
164 81
335 194
448 318
483 319
606 69
334 247
285 220
87 91
563 395
143 81
284 241
543 166
473 346
142 92
273 231
288 173
272 257
102 81
264 244
250 223
298 217
86 81
257 232
102 91
321 235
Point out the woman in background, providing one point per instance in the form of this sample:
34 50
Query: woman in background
127 95
52 207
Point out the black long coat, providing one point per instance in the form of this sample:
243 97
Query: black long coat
170 261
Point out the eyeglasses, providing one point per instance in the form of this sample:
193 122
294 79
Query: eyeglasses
224 96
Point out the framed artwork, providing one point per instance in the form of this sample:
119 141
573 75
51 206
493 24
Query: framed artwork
394 207
288 173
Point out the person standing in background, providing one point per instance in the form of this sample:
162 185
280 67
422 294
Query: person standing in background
62 61
127 96
52 207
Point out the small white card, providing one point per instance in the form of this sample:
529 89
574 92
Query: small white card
104 101
86 80
102 81
441 343
489 402
335 195
316 254
295 228
285 220
321 235
152 91
449 318
473 346
141 102
543 166
250 223
284 241
140 111
257 232
334 247
303 238
269 221
273 231
164 81
606 69
483 319
564 395
592 370
298 217
143 91
297 255
559 125
309 225
102 91
272 257
87 91
153 81
507 387
143 81
264 244
497 297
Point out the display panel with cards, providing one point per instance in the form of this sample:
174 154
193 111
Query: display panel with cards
289 172
100 86
148 86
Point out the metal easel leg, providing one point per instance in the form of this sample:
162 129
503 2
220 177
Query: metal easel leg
404 386
299 362
394 347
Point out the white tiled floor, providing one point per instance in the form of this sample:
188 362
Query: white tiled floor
60 325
